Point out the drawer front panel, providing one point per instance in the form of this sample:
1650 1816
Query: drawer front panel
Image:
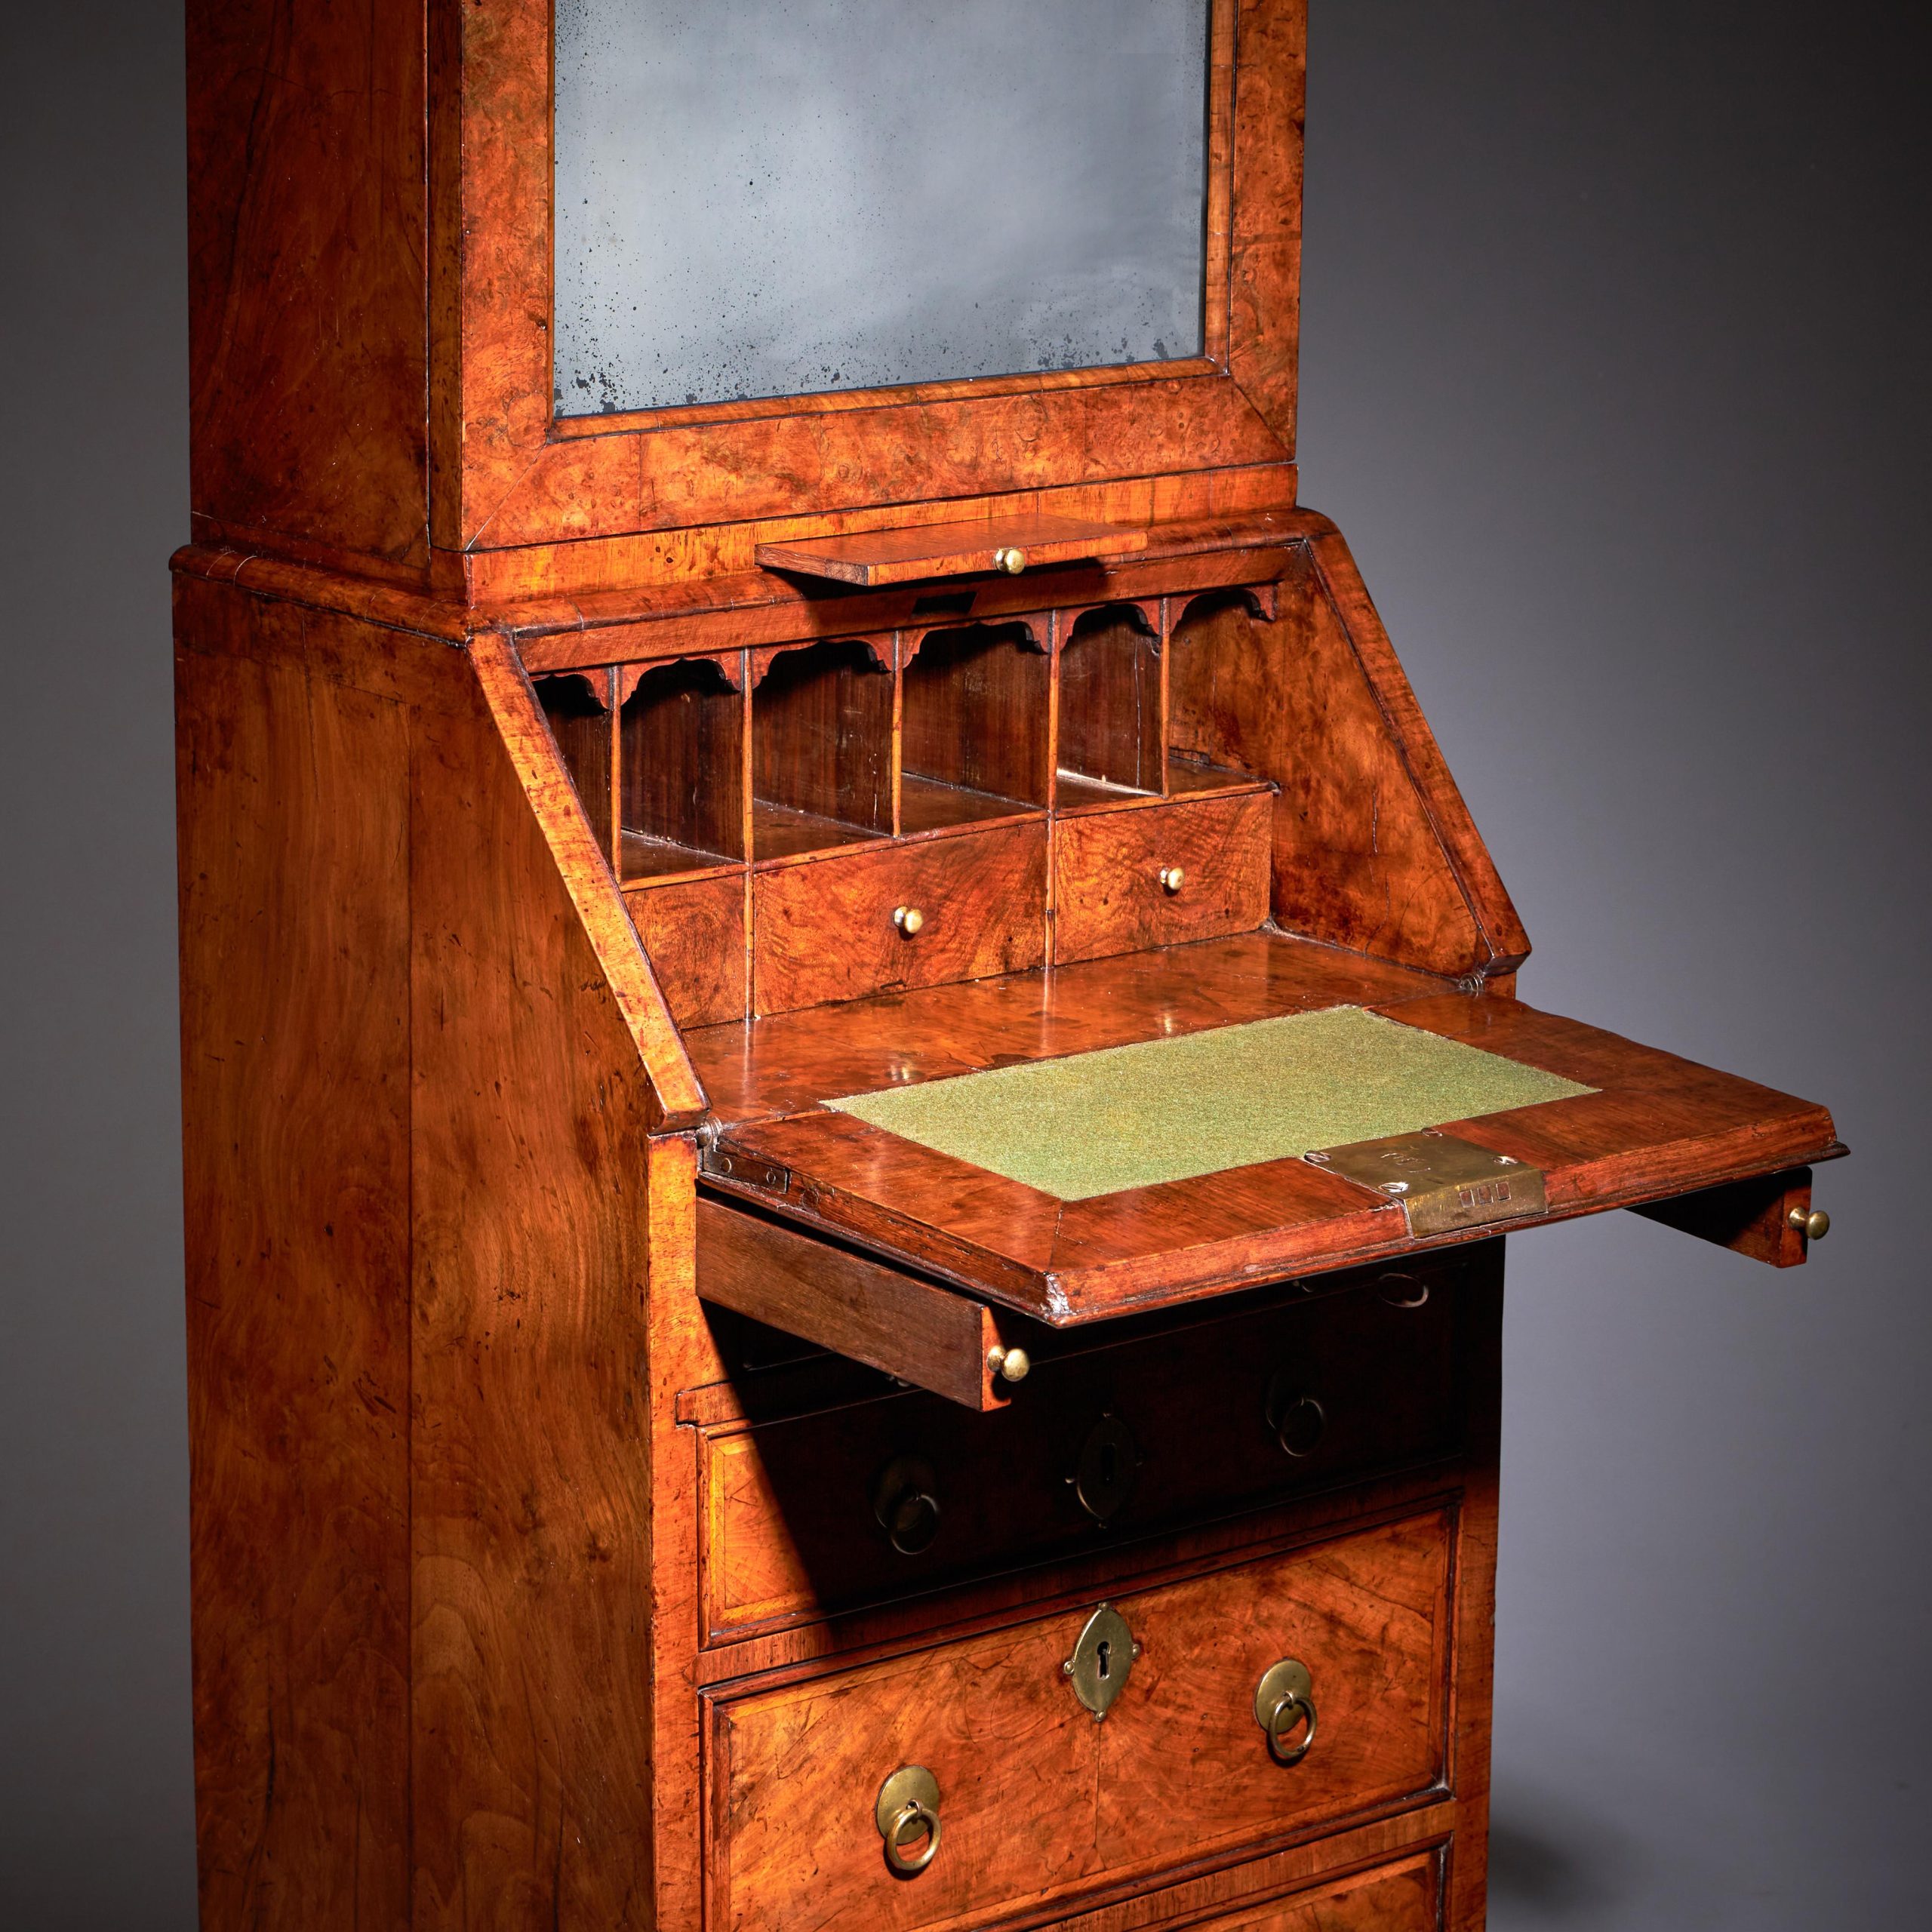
1109 895
791 1524
824 931
1399 1897
1035 1799
693 935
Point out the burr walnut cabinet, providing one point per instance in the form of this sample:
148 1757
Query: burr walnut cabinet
852 1078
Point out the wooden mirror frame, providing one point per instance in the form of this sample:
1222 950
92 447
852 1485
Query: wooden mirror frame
505 471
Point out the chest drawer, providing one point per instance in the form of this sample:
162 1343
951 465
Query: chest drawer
828 1512
1403 1896
1033 1799
1161 875
974 904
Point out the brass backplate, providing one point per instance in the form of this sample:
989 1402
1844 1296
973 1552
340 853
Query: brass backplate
1288 1679
1102 1659
1442 1182
911 1784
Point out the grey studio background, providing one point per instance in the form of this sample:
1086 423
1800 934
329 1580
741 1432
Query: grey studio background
1614 375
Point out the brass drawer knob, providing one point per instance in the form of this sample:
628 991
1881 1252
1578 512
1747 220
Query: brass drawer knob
1813 1226
908 919
1173 878
1284 1706
1011 558
907 1812
1009 1365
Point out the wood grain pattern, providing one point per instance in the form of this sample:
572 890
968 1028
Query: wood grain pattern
973 712
824 931
295 1103
681 748
1360 860
532 1102
577 709
1108 896
1750 1217
307 220
1035 1798
1404 1896
822 720
695 934
786 1064
589 890
1659 1126
923 1334
1110 718
512 488
876 557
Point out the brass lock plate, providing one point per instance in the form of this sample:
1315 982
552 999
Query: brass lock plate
1442 1182
1109 1467
1102 1659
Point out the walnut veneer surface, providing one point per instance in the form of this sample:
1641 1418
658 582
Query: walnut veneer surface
609 1464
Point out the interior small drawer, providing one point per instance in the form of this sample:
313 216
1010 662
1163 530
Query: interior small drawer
1034 1799
830 1513
921 914
1160 875
693 931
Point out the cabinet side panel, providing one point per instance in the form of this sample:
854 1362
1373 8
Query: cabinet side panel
531 1545
294 988
307 304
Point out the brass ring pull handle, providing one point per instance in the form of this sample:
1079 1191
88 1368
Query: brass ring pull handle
1291 1710
905 1504
907 1810
1284 1701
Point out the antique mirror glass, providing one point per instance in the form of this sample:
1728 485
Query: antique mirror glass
771 198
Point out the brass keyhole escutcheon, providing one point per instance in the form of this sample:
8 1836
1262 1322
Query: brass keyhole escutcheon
1102 1661
1296 1420
1284 1708
906 1502
1109 1467
907 1811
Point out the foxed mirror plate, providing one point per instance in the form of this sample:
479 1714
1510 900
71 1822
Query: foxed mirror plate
756 198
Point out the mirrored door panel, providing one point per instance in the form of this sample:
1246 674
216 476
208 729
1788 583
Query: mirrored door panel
772 198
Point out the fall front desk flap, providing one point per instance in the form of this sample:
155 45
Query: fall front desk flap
1099 1142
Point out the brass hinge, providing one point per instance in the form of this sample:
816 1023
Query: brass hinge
1442 1182
724 1163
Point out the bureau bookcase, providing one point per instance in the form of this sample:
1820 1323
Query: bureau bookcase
853 1079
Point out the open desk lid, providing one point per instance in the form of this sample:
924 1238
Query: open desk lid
1140 1132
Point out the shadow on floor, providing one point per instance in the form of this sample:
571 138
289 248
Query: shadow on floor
1547 1871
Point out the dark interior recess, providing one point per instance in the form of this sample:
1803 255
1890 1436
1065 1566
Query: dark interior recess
974 728
1110 736
821 750
681 740
1221 706
578 711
